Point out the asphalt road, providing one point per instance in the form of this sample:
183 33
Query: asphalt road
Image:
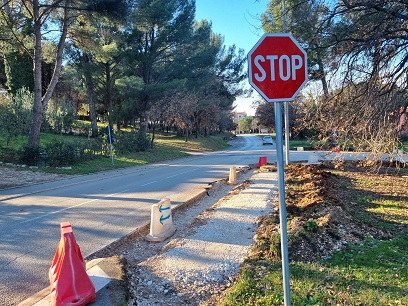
101 209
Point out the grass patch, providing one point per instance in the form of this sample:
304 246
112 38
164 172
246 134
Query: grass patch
300 143
351 277
199 144
368 273
129 160
405 146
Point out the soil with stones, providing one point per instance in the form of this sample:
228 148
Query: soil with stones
322 210
17 176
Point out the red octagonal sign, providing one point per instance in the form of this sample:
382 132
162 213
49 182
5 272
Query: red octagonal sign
277 67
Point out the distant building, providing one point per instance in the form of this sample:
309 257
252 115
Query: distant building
239 115
403 123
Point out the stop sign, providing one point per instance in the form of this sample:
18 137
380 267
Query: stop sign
277 67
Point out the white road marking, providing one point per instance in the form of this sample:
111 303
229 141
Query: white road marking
67 208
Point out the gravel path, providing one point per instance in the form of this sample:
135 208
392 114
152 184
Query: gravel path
16 175
197 267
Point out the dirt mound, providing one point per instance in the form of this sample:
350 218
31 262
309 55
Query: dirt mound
320 216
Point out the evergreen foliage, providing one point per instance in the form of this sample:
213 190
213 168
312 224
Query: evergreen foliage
136 64
15 114
19 72
61 116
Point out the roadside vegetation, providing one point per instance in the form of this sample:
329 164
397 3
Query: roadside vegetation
347 236
122 62
153 66
167 146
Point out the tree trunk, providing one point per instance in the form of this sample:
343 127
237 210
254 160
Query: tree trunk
322 75
90 92
40 102
38 109
186 139
108 92
375 74
153 135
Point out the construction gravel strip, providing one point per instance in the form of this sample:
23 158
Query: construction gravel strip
196 268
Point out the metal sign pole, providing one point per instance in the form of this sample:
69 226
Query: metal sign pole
286 105
281 182
282 204
110 140
262 72
111 152
287 132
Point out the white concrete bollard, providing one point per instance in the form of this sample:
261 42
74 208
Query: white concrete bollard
161 223
300 148
232 176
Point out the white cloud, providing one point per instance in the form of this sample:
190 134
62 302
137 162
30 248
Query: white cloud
244 105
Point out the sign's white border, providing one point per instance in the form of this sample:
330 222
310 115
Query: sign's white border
250 67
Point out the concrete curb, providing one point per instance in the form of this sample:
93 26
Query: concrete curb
96 273
101 271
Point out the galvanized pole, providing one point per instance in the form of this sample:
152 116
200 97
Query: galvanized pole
281 180
286 104
110 140
282 204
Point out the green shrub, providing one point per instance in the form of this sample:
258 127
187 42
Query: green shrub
311 225
143 140
126 142
61 116
81 127
275 245
94 147
29 155
15 114
9 155
60 153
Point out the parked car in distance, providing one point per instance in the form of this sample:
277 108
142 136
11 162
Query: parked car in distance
267 140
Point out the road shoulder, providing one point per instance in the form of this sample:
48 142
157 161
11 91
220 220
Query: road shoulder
204 258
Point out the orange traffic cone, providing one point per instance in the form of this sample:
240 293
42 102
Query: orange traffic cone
262 161
70 284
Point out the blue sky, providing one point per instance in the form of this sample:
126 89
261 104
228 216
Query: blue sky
239 22
236 20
